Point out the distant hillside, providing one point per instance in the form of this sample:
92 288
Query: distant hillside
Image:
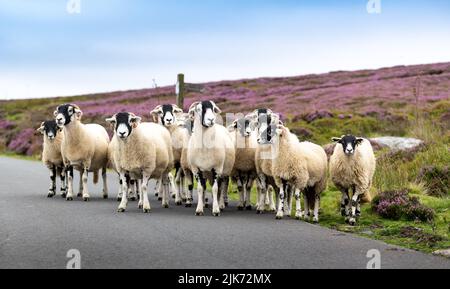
362 102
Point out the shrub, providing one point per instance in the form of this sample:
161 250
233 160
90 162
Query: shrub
436 179
395 205
22 142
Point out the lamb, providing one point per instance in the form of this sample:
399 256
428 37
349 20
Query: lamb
210 150
144 149
51 155
352 167
168 115
303 166
244 170
84 147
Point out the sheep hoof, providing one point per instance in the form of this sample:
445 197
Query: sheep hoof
79 195
226 204
188 205
352 222
69 199
146 211
179 203
184 200
133 199
166 206
86 199
50 195
316 221
140 206
63 196
216 214
206 206
279 217
240 208
119 199
199 214
121 210
249 208
105 197
259 212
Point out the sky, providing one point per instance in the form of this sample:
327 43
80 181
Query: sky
48 49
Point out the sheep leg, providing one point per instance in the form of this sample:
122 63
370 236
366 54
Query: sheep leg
160 190
157 189
288 202
132 190
356 196
261 188
240 188
105 183
86 196
80 186
298 204
139 191
69 196
223 186
307 212
282 184
201 182
178 186
189 195
215 195
316 209
345 201
144 193
119 193
165 181
248 190
124 199
52 189
62 176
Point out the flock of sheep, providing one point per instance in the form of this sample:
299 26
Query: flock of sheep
254 148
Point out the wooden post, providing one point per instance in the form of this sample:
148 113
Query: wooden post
180 91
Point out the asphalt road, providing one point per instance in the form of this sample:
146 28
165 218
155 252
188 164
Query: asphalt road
36 232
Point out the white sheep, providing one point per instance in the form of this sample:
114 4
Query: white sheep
352 167
244 170
51 155
170 116
303 166
84 147
210 150
143 149
132 181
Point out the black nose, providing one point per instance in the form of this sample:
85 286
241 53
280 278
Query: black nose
122 133
59 119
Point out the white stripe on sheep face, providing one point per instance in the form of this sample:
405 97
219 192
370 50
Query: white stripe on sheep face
207 111
124 123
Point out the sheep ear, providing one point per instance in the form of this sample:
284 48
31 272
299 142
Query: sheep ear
135 121
281 129
78 112
359 141
157 111
55 113
233 126
216 108
336 139
192 109
41 128
111 120
176 109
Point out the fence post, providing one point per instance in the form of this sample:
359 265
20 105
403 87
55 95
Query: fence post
180 91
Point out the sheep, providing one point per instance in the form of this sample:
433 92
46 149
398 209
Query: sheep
132 181
303 166
352 167
264 121
84 147
144 149
51 155
244 170
168 115
210 150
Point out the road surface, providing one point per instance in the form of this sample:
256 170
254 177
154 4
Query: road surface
37 232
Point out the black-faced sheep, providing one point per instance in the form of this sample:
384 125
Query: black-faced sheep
352 167
84 147
51 155
144 150
210 150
